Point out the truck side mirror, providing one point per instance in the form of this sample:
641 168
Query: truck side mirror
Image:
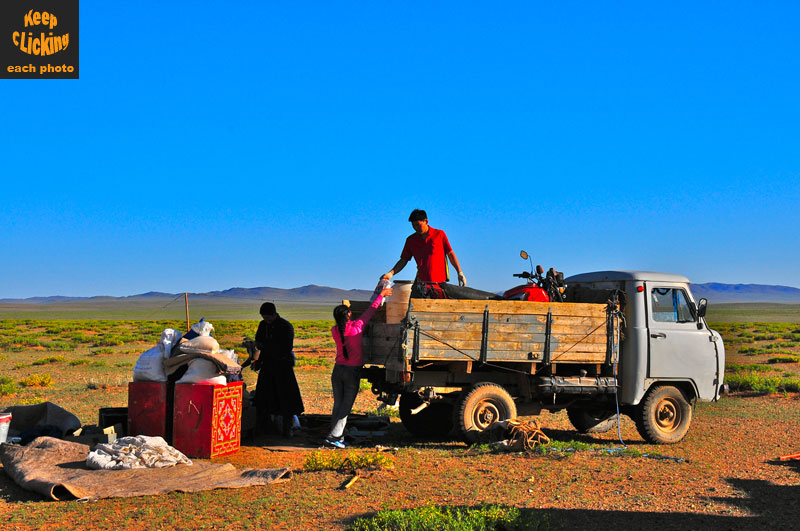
702 306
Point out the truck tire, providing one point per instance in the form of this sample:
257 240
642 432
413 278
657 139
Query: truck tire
664 416
482 406
592 420
436 420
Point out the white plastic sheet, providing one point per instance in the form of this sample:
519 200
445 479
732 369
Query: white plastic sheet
139 451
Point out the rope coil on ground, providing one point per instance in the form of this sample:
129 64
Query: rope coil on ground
528 434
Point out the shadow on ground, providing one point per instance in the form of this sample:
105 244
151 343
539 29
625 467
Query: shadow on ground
773 507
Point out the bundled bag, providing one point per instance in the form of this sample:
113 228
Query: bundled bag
382 285
202 371
150 365
233 373
202 328
199 345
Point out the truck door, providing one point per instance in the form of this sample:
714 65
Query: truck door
678 350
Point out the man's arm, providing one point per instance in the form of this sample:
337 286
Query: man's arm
462 280
397 268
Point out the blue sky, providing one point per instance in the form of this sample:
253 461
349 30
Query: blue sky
284 144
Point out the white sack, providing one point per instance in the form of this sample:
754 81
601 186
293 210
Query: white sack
169 338
149 367
199 345
202 371
231 354
203 328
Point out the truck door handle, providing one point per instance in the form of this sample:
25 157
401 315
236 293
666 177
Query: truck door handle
659 335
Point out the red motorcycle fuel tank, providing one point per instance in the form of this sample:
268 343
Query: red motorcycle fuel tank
526 292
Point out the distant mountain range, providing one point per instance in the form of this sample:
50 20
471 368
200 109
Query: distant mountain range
310 293
719 293
713 291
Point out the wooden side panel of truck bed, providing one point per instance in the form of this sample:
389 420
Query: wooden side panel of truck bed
452 330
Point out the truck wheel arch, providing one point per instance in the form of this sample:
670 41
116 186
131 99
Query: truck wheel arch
687 387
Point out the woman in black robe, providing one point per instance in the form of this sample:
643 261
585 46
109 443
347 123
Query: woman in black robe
277 392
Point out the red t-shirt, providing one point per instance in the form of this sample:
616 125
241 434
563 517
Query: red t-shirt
430 252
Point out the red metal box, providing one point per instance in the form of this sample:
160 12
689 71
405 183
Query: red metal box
148 409
207 419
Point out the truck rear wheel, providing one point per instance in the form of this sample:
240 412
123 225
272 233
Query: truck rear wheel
482 406
592 420
664 416
436 420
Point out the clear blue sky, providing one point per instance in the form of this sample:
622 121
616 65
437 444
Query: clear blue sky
209 146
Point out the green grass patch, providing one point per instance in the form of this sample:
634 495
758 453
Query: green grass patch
750 367
106 382
312 329
755 351
392 412
7 386
483 517
760 384
49 359
347 461
88 363
313 362
784 359
780 345
65 346
37 380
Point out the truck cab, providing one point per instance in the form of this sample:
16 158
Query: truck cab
667 343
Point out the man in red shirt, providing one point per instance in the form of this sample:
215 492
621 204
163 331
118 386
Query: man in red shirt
430 249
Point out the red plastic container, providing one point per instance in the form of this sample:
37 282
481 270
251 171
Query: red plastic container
207 419
149 411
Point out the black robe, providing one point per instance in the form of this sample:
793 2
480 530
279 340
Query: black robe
277 392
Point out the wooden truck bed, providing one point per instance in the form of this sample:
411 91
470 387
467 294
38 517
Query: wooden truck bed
445 330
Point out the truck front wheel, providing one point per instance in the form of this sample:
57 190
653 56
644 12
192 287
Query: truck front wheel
482 406
590 420
664 416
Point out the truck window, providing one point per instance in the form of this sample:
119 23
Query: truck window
670 306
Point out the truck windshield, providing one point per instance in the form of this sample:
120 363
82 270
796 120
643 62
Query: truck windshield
669 305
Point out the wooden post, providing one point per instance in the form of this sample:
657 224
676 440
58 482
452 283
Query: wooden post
186 300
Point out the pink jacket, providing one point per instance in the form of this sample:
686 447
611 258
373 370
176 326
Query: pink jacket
352 334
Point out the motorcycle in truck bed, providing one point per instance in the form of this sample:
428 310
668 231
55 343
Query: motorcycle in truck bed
461 365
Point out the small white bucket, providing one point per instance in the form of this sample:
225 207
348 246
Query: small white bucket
5 423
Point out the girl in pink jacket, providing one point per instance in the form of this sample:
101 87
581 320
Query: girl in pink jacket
346 374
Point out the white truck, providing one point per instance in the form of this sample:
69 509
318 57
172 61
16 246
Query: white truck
630 341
